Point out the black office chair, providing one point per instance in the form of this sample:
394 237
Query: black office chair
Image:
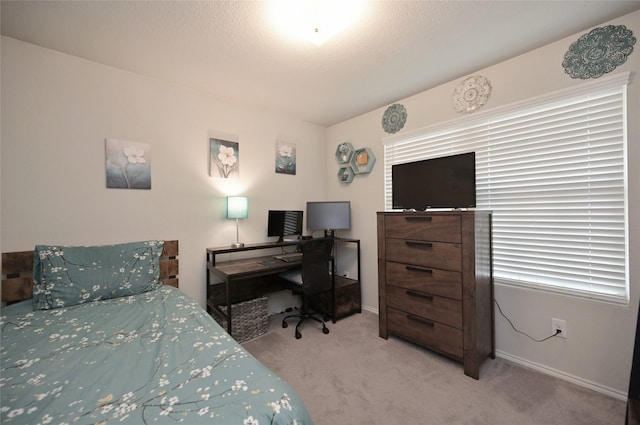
311 278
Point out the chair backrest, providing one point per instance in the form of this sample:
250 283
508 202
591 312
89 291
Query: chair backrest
316 254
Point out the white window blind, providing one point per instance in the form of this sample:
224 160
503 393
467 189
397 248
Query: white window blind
553 171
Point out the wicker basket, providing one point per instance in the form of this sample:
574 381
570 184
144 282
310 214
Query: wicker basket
249 319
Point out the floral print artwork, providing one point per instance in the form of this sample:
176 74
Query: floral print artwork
225 159
150 358
285 158
128 164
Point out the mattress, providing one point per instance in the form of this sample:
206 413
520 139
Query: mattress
151 358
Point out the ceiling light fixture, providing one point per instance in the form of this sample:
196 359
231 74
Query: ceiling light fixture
314 20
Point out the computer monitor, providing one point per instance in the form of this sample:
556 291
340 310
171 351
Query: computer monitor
283 223
329 216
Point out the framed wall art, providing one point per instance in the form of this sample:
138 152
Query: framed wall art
128 164
285 158
224 159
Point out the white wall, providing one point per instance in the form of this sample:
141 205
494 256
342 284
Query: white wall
57 111
600 345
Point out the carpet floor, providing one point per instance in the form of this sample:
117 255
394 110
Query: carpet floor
352 376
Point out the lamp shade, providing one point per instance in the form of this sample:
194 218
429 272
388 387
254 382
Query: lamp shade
237 207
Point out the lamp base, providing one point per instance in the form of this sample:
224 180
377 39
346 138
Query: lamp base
237 245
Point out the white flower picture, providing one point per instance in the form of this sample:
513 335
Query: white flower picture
224 159
285 158
128 164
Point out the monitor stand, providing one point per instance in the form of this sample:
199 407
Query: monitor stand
329 233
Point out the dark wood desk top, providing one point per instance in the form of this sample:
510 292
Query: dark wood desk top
253 266
251 247
265 245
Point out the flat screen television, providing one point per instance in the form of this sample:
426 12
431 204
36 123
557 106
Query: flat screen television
329 216
445 182
283 223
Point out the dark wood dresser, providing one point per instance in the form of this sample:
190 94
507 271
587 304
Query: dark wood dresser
435 282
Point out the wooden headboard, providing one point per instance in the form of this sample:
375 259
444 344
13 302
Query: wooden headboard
17 271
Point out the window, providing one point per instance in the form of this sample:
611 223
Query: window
553 171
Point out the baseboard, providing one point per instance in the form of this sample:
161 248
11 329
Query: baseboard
564 376
370 309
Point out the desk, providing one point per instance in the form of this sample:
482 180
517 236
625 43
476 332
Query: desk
246 278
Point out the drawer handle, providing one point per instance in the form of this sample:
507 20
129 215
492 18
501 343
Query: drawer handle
416 294
418 218
420 320
419 243
418 269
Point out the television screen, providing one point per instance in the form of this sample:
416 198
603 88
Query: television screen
329 216
284 223
446 182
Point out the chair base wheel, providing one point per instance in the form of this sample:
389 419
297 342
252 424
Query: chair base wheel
285 325
298 335
325 330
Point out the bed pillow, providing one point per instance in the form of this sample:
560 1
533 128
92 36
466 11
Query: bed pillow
69 275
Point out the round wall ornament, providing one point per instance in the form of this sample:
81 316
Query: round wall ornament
471 94
598 52
394 118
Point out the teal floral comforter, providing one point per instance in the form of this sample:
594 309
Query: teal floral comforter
152 358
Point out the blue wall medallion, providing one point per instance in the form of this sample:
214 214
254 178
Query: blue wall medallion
598 52
394 118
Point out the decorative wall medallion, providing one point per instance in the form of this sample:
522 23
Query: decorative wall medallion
598 52
394 118
471 94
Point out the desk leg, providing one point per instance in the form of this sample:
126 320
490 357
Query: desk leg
228 296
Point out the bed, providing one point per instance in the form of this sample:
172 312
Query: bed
102 335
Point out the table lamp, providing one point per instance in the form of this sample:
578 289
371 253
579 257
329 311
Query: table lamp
237 207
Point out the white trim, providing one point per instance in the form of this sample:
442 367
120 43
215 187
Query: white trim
371 310
564 376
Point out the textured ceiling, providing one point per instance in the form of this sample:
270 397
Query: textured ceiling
230 50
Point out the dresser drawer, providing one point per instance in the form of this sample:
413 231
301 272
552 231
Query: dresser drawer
440 255
425 279
443 310
440 228
434 335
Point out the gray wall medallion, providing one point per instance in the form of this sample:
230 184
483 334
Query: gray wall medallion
394 118
471 94
353 161
598 52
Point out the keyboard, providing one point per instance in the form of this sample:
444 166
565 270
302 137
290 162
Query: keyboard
289 258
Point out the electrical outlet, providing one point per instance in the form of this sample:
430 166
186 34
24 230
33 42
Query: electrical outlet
561 325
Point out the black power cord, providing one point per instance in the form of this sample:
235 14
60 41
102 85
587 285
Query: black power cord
558 331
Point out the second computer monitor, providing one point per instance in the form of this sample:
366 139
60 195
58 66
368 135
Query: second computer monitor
329 216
